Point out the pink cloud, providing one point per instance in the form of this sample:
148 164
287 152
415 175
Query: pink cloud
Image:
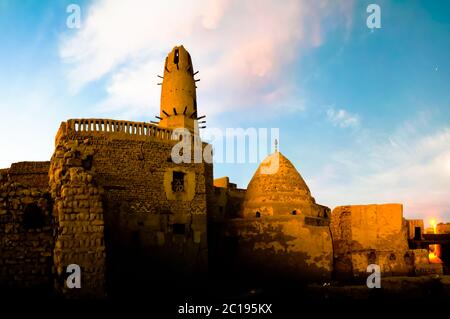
243 49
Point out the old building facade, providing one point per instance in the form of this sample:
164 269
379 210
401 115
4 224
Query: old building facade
113 201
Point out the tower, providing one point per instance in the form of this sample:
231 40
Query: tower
178 94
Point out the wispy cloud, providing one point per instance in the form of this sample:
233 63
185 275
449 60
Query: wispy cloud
410 166
342 118
244 50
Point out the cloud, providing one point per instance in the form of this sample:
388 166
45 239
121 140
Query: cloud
245 50
342 118
409 166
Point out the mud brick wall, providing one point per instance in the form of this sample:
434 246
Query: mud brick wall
26 237
78 211
370 234
4 175
412 224
148 230
33 174
281 247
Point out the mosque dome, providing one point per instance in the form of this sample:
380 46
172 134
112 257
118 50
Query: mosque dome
277 188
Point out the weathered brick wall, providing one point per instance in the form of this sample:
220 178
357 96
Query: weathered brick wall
33 174
78 211
4 175
412 224
282 247
227 202
442 228
370 234
26 237
148 231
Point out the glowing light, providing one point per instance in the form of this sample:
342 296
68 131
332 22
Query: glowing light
434 253
433 224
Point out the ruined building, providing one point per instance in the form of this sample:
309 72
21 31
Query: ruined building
113 201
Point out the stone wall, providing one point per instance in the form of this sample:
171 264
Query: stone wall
370 234
33 174
4 175
442 228
228 199
149 228
78 210
276 248
26 237
412 224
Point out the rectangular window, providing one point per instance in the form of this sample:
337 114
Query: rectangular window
178 229
417 233
178 182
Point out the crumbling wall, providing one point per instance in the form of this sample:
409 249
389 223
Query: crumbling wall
26 237
4 175
228 199
370 234
32 174
412 224
278 248
443 228
149 228
78 211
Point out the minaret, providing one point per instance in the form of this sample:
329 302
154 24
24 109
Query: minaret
178 94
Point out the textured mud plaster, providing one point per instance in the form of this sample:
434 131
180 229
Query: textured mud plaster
282 191
26 236
282 247
370 234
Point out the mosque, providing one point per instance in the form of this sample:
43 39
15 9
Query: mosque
112 200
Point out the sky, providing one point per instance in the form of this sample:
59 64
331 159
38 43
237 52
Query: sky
364 114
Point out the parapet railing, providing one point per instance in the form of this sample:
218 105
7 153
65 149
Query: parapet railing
115 126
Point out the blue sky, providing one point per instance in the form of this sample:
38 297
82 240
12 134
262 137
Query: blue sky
363 114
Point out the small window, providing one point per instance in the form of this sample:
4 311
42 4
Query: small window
178 229
258 214
392 257
417 233
294 212
178 182
372 257
33 217
176 57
